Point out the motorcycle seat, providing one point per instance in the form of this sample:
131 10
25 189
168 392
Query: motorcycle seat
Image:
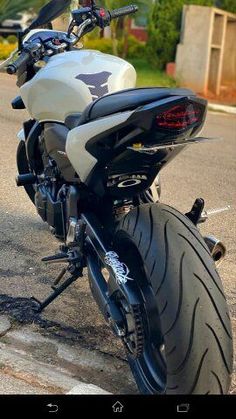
123 100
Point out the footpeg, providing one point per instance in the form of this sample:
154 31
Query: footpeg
206 214
198 215
196 211
74 267
59 258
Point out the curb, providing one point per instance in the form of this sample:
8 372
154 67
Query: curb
60 367
82 389
38 375
222 108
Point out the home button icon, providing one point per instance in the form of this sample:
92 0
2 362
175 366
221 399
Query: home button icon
118 407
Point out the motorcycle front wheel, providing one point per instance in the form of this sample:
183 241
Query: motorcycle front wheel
192 352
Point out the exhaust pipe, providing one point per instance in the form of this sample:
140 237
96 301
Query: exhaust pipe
217 249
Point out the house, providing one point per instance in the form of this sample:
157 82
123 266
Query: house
117 407
138 30
138 24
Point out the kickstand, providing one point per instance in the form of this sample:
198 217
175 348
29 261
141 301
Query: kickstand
196 211
57 291
59 278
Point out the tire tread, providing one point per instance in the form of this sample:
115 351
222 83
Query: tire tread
190 298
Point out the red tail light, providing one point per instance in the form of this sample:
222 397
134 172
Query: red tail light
180 116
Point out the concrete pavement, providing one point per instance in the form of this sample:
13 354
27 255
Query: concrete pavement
12 385
207 171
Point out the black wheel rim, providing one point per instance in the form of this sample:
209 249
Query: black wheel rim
149 369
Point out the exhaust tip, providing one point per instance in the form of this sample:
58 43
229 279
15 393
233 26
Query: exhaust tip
217 249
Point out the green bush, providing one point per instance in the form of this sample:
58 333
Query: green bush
12 39
6 50
136 48
229 5
103 45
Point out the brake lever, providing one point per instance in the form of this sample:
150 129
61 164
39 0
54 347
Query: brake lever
81 30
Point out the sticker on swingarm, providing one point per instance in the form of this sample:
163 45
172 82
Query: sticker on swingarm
121 270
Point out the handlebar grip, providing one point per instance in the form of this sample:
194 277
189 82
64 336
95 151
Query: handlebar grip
123 11
20 61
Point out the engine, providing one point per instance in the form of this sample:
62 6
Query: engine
51 194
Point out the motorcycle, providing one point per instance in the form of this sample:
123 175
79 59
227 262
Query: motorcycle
89 159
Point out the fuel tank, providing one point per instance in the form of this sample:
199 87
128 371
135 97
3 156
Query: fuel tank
72 80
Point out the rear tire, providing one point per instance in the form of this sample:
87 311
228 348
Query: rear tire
193 313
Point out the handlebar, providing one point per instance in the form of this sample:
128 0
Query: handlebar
123 11
95 17
20 61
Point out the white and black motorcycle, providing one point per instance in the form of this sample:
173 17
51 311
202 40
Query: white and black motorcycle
88 158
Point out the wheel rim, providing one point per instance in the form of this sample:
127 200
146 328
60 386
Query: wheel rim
149 369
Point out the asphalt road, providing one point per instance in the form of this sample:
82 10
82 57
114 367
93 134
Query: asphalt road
207 171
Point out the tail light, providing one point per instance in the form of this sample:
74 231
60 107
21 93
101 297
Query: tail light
181 116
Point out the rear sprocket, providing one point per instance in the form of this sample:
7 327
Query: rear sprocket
133 338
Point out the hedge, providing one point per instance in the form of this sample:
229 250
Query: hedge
12 39
6 50
136 48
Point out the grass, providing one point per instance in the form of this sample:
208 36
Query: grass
149 76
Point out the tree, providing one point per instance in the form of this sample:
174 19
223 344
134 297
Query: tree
229 5
9 8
